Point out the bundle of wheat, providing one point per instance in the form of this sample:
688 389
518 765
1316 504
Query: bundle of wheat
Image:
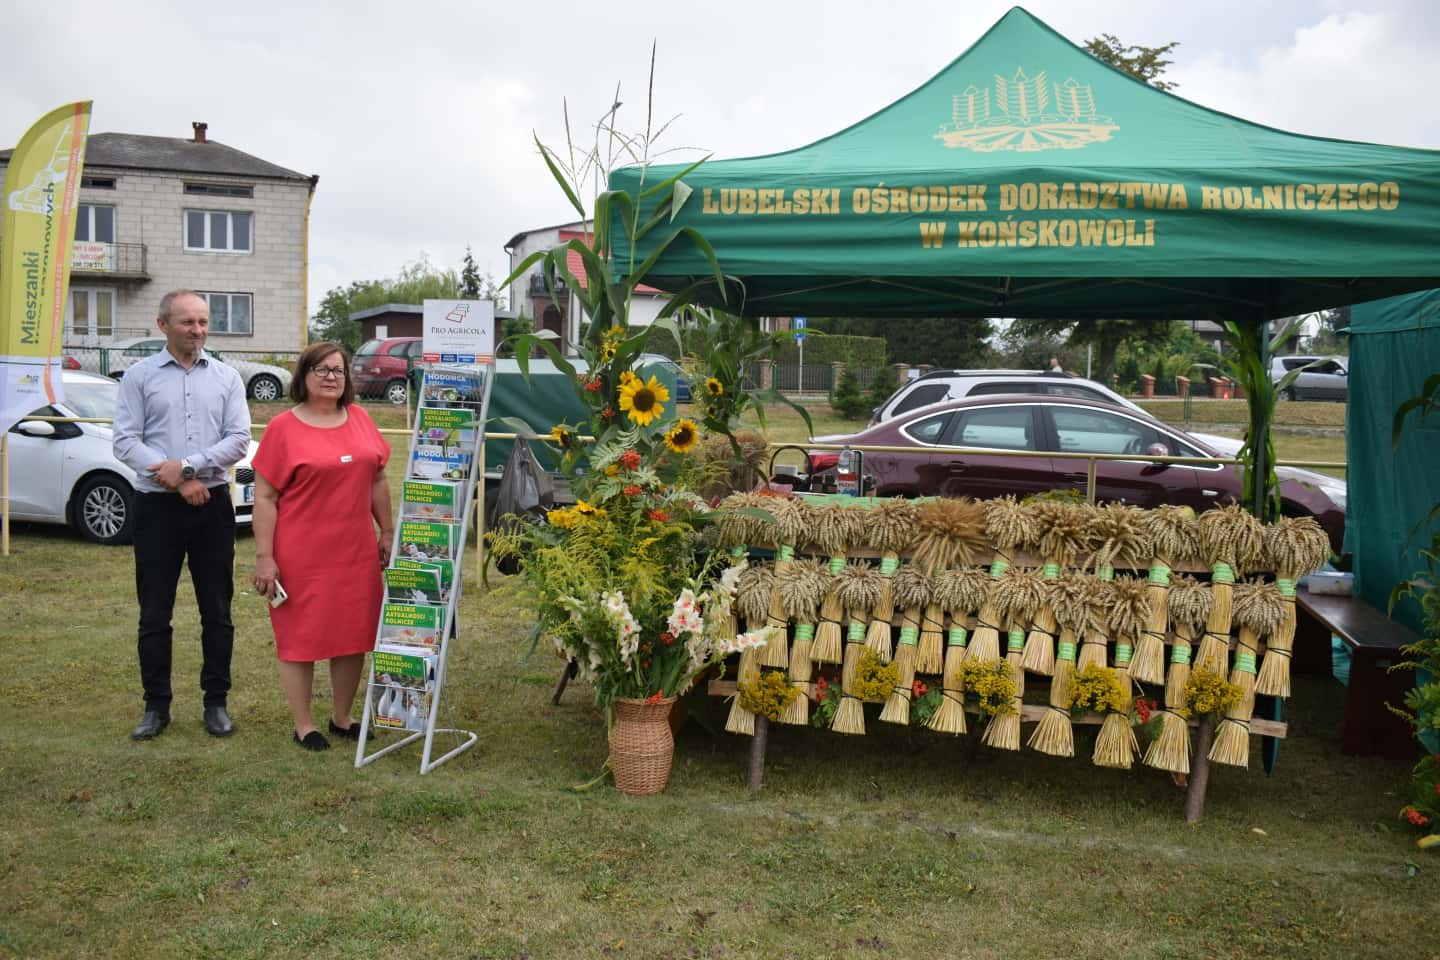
1062 538
1119 538
1010 528
1295 546
951 533
1018 597
735 523
889 528
835 527
752 600
912 590
959 592
1258 610
788 526
1188 603
859 589
1095 639
802 585
1174 538
1231 541
1116 745
1069 597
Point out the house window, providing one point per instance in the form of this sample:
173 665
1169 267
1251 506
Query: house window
95 222
92 312
226 231
230 313
97 183
219 190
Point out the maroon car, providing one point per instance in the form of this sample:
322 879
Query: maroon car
381 368
999 424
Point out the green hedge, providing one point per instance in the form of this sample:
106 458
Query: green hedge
820 348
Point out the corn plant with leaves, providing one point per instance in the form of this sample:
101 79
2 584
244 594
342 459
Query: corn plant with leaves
1247 363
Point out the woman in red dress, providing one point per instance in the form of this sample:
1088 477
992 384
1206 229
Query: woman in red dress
320 491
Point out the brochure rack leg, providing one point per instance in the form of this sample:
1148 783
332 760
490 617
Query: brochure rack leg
424 581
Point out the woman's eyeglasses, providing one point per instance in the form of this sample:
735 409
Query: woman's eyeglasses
329 373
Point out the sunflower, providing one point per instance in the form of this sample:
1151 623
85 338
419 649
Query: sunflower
714 387
683 436
607 349
628 377
643 401
562 435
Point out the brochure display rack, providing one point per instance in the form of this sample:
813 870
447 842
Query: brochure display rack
404 693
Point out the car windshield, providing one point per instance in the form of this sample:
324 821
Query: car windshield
367 348
92 398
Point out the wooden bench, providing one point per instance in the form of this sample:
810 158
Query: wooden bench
1374 641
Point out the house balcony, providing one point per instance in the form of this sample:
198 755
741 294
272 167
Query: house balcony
108 261
539 289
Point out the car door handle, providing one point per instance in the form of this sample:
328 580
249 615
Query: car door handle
957 466
1076 477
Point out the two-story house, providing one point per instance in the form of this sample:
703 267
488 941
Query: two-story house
160 213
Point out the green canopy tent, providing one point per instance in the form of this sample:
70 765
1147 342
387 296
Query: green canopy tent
1028 178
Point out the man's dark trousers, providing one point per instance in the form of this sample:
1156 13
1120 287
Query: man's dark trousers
169 531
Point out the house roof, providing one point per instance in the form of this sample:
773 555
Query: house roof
131 151
572 225
501 313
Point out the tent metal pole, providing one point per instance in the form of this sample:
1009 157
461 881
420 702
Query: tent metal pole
1260 443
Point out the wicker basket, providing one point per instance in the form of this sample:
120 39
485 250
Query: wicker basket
641 746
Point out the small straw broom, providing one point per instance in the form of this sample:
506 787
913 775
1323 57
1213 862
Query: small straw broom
1174 538
836 527
791 522
1062 537
959 593
752 599
912 591
1069 598
802 585
734 527
1295 546
1116 745
1188 601
889 528
951 533
1230 541
1009 526
1258 610
859 589
1018 597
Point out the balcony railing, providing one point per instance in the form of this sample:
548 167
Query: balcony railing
539 289
115 261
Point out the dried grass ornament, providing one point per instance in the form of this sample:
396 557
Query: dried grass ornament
1116 746
859 589
790 521
912 591
889 528
950 533
1010 527
1258 611
1069 597
802 585
1231 541
1095 639
1295 547
1119 538
752 601
1018 597
959 593
733 527
1188 604
1062 537
835 528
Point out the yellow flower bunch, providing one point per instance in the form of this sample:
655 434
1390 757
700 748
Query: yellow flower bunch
874 680
1208 694
989 682
714 387
643 402
1096 688
769 695
563 518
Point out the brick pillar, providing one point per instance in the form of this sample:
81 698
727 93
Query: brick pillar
902 372
1147 386
767 375
1182 387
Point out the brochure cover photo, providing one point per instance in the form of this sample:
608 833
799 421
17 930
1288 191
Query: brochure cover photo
411 625
403 686
408 585
430 500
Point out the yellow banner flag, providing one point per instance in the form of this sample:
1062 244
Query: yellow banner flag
37 226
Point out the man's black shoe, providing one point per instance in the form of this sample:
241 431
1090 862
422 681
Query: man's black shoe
218 722
150 725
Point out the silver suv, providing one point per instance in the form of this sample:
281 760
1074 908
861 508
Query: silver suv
1321 378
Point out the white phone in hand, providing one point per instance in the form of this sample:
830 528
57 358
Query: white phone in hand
279 596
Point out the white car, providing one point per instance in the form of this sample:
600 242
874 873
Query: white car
67 472
264 382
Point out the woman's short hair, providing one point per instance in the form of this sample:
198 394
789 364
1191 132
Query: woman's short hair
309 360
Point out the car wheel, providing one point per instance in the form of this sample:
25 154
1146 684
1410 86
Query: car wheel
395 392
104 510
1287 394
265 388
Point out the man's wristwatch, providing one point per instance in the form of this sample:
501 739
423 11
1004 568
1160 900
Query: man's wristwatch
187 472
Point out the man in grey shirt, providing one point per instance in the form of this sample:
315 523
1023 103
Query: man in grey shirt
180 423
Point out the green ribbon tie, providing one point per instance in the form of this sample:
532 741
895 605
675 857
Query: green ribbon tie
1179 653
909 635
957 637
1015 641
804 632
1065 651
998 568
1245 662
856 632
1160 574
1050 571
1123 653
1222 573
888 565
787 553
1286 587
837 564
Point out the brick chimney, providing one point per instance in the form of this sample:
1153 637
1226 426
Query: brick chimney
200 129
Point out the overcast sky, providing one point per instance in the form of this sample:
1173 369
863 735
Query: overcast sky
419 116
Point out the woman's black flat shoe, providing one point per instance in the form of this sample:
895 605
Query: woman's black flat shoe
314 740
351 732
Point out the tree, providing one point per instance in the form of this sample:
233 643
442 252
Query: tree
1104 335
470 277
1142 63
938 341
416 283
848 401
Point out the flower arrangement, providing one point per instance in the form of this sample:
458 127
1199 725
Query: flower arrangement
989 684
1096 688
874 679
768 696
1208 694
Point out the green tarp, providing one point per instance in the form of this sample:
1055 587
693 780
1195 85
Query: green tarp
1394 346
1028 178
